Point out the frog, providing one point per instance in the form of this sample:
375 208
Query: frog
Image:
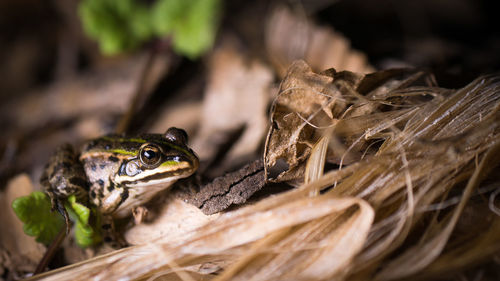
116 173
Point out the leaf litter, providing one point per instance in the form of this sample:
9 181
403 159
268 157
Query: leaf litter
399 149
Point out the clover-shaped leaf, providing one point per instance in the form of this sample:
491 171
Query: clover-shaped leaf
39 221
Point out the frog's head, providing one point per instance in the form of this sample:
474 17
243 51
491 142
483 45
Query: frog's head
128 171
157 160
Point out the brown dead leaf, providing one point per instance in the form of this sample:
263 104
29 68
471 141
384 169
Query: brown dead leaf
307 102
360 109
291 37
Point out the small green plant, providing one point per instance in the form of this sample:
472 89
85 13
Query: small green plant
85 232
34 211
41 222
124 25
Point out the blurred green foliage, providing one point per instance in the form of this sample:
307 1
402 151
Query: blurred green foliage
124 25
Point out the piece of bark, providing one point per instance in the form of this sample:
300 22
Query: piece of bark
232 188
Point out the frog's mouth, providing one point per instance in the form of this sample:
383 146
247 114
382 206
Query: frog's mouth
160 175
144 186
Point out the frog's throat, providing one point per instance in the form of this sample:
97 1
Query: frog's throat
140 193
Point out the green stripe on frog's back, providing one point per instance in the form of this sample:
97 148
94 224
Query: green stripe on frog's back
115 145
148 138
113 155
126 147
112 142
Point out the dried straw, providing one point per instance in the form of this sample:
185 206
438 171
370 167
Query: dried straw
403 212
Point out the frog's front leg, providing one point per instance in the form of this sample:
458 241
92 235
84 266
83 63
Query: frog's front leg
109 233
64 176
109 199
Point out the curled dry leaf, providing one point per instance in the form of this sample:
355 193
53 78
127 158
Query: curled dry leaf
306 104
289 140
356 109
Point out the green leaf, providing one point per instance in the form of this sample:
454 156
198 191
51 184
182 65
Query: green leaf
118 26
85 232
166 14
35 212
191 23
123 25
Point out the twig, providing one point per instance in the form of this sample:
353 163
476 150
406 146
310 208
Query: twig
51 250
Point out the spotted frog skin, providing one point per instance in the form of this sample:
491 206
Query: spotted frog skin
116 173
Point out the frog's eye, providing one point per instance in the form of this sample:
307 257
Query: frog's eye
150 155
177 135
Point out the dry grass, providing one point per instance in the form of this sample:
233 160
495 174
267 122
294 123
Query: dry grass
422 205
